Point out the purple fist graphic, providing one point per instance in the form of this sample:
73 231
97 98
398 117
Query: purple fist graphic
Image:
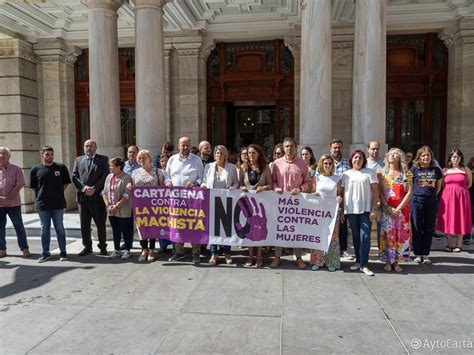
256 227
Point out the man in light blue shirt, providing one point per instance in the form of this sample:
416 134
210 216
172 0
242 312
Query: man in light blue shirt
184 169
131 164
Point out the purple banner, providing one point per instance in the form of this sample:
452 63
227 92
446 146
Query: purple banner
178 214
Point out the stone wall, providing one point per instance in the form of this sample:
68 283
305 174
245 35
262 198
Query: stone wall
57 124
460 120
19 128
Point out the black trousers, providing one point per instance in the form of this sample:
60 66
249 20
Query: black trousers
423 219
88 211
122 226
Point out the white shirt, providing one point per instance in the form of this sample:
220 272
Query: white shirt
357 190
181 171
327 185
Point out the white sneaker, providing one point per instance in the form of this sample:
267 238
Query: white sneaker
367 271
115 255
126 255
418 260
426 260
355 267
345 255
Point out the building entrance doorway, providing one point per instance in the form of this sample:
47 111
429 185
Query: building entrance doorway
417 86
250 94
251 124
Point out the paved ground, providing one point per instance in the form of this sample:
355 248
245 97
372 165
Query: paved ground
94 305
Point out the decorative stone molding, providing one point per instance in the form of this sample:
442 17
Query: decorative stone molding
342 59
17 48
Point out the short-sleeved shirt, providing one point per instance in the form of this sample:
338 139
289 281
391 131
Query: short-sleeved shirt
11 176
424 180
327 185
375 165
129 168
182 171
49 182
357 190
341 167
289 175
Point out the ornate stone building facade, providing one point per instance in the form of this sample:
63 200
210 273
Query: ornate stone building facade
147 71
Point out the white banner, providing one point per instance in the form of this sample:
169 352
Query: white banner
271 219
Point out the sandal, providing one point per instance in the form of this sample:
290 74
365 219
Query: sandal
397 268
259 262
448 249
457 250
387 267
249 262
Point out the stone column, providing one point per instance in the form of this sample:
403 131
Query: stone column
189 72
459 127
56 106
104 76
150 91
369 78
315 104
19 109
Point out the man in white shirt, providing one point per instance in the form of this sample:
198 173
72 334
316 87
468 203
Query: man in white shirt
184 169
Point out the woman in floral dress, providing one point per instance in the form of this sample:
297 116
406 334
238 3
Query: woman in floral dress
396 185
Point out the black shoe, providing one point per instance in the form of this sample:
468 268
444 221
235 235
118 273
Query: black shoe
122 246
84 252
103 252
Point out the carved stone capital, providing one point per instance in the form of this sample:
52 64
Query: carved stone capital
157 4
72 53
448 38
303 4
207 47
111 5
292 45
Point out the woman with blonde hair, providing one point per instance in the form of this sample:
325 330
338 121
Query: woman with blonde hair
220 174
396 187
147 175
328 185
426 186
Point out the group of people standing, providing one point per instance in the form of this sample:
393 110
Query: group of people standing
402 200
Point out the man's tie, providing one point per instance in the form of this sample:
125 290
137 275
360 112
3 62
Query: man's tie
89 164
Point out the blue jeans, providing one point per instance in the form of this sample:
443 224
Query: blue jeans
15 216
361 228
164 243
213 248
57 217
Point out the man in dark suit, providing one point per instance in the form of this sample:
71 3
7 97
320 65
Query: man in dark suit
88 175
